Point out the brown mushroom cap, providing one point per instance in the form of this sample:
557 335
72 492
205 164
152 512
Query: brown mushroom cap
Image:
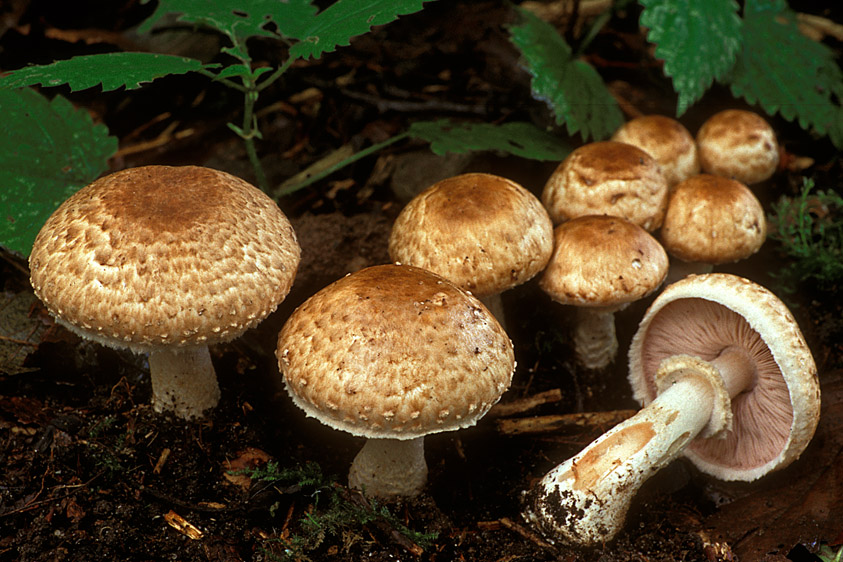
607 178
394 351
666 140
482 232
603 261
703 315
157 256
738 144
713 219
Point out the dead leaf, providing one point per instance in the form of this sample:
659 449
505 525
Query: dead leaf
248 458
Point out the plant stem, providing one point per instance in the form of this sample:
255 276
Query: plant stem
286 190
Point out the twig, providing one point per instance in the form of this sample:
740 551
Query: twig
521 405
524 532
399 538
561 422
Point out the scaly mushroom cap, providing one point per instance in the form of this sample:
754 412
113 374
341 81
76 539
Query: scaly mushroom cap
158 256
738 144
607 178
482 232
713 219
701 316
603 261
394 351
666 140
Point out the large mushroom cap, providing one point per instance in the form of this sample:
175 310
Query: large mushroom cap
394 351
603 261
159 255
607 178
666 140
482 232
703 315
738 144
713 219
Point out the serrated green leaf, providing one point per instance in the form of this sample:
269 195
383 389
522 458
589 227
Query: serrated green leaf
518 138
240 20
48 150
787 73
697 41
337 24
111 70
572 88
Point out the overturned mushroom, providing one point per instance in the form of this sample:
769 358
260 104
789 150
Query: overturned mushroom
393 353
726 379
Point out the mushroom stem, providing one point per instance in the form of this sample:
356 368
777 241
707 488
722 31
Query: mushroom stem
585 499
386 468
183 381
494 303
595 339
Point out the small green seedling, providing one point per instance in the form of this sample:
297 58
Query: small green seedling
810 230
335 512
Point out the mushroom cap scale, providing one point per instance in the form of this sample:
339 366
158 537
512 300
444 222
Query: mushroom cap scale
394 351
666 140
738 144
701 316
483 232
607 178
713 219
158 255
604 261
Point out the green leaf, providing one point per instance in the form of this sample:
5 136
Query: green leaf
521 139
337 24
240 20
787 73
111 70
48 150
697 41
572 88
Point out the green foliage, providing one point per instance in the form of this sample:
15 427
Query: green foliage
827 554
787 73
518 138
345 19
810 230
334 513
48 150
572 88
697 41
109 70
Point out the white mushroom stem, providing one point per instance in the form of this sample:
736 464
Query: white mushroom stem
585 499
494 303
183 382
595 339
389 468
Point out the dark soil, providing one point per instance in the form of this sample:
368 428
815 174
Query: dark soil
91 473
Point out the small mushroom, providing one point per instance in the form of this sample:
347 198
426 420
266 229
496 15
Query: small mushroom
482 232
666 140
726 379
600 264
393 353
711 220
607 178
738 144
166 261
